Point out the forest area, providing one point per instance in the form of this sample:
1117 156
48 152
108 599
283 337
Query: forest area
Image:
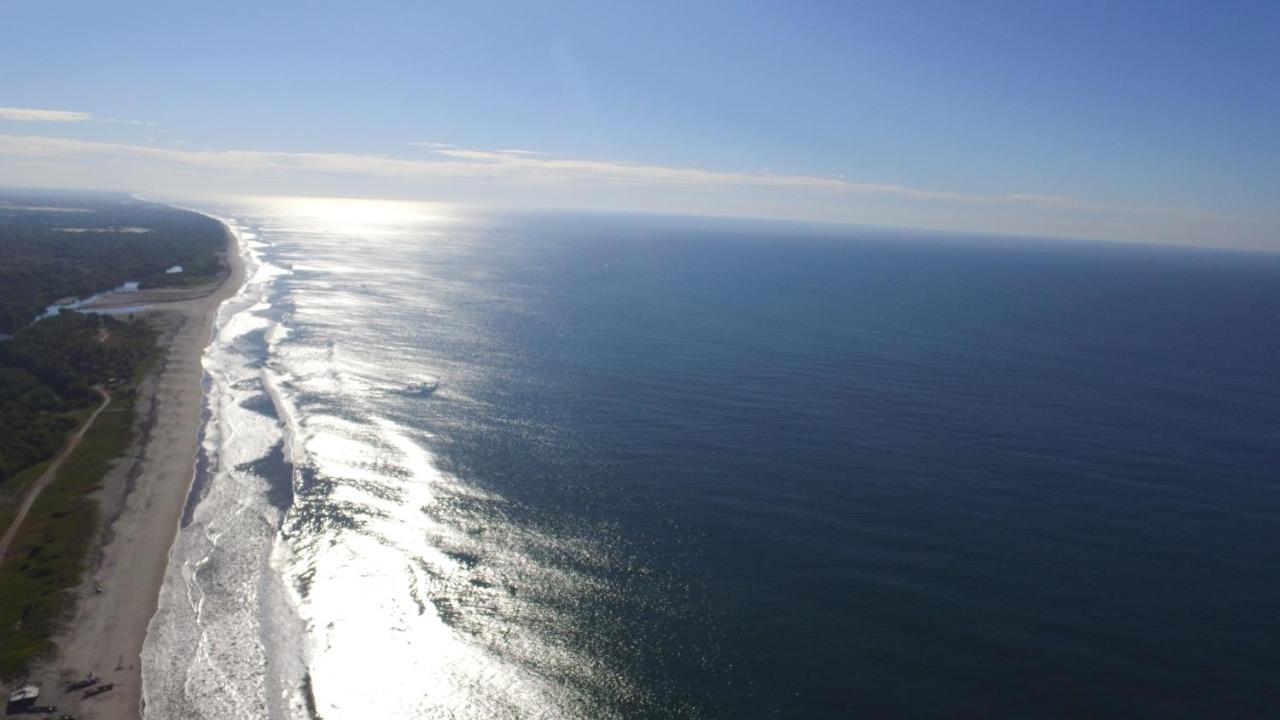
56 245
47 373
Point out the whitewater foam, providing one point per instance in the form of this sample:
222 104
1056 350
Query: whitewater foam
328 566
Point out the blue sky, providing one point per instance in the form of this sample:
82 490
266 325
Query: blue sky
1131 121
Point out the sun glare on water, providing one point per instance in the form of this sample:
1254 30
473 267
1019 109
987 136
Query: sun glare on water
357 215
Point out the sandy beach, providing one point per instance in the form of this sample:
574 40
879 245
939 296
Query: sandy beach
142 500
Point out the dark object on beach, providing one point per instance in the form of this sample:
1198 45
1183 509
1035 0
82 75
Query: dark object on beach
98 690
83 683
38 709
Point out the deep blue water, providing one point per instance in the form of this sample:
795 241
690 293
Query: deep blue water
909 478
807 472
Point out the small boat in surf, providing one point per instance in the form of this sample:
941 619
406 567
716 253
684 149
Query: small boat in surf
422 389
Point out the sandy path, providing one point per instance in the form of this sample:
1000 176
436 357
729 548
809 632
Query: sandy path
47 477
142 501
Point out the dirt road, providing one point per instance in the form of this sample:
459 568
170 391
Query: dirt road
50 473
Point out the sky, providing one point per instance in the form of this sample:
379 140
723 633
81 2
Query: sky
1133 121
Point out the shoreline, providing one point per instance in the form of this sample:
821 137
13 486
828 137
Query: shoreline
142 500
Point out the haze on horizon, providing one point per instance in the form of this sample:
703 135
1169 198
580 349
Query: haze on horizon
1145 121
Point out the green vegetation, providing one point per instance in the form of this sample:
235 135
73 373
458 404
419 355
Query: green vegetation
53 366
31 429
47 558
56 246
47 372
15 488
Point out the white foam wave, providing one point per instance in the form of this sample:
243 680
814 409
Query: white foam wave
204 655
389 588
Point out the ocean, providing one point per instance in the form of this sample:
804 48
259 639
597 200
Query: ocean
473 465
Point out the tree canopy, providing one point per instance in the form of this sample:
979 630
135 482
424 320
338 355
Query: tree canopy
58 245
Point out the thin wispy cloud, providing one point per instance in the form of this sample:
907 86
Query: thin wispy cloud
39 115
17 114
520 165
446 169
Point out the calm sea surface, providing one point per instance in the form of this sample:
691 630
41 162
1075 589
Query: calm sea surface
464 466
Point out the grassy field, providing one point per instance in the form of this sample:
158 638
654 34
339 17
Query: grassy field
14 489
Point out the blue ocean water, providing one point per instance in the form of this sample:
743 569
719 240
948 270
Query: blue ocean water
553 466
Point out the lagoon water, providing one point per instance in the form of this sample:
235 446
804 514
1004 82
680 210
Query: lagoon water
547 466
